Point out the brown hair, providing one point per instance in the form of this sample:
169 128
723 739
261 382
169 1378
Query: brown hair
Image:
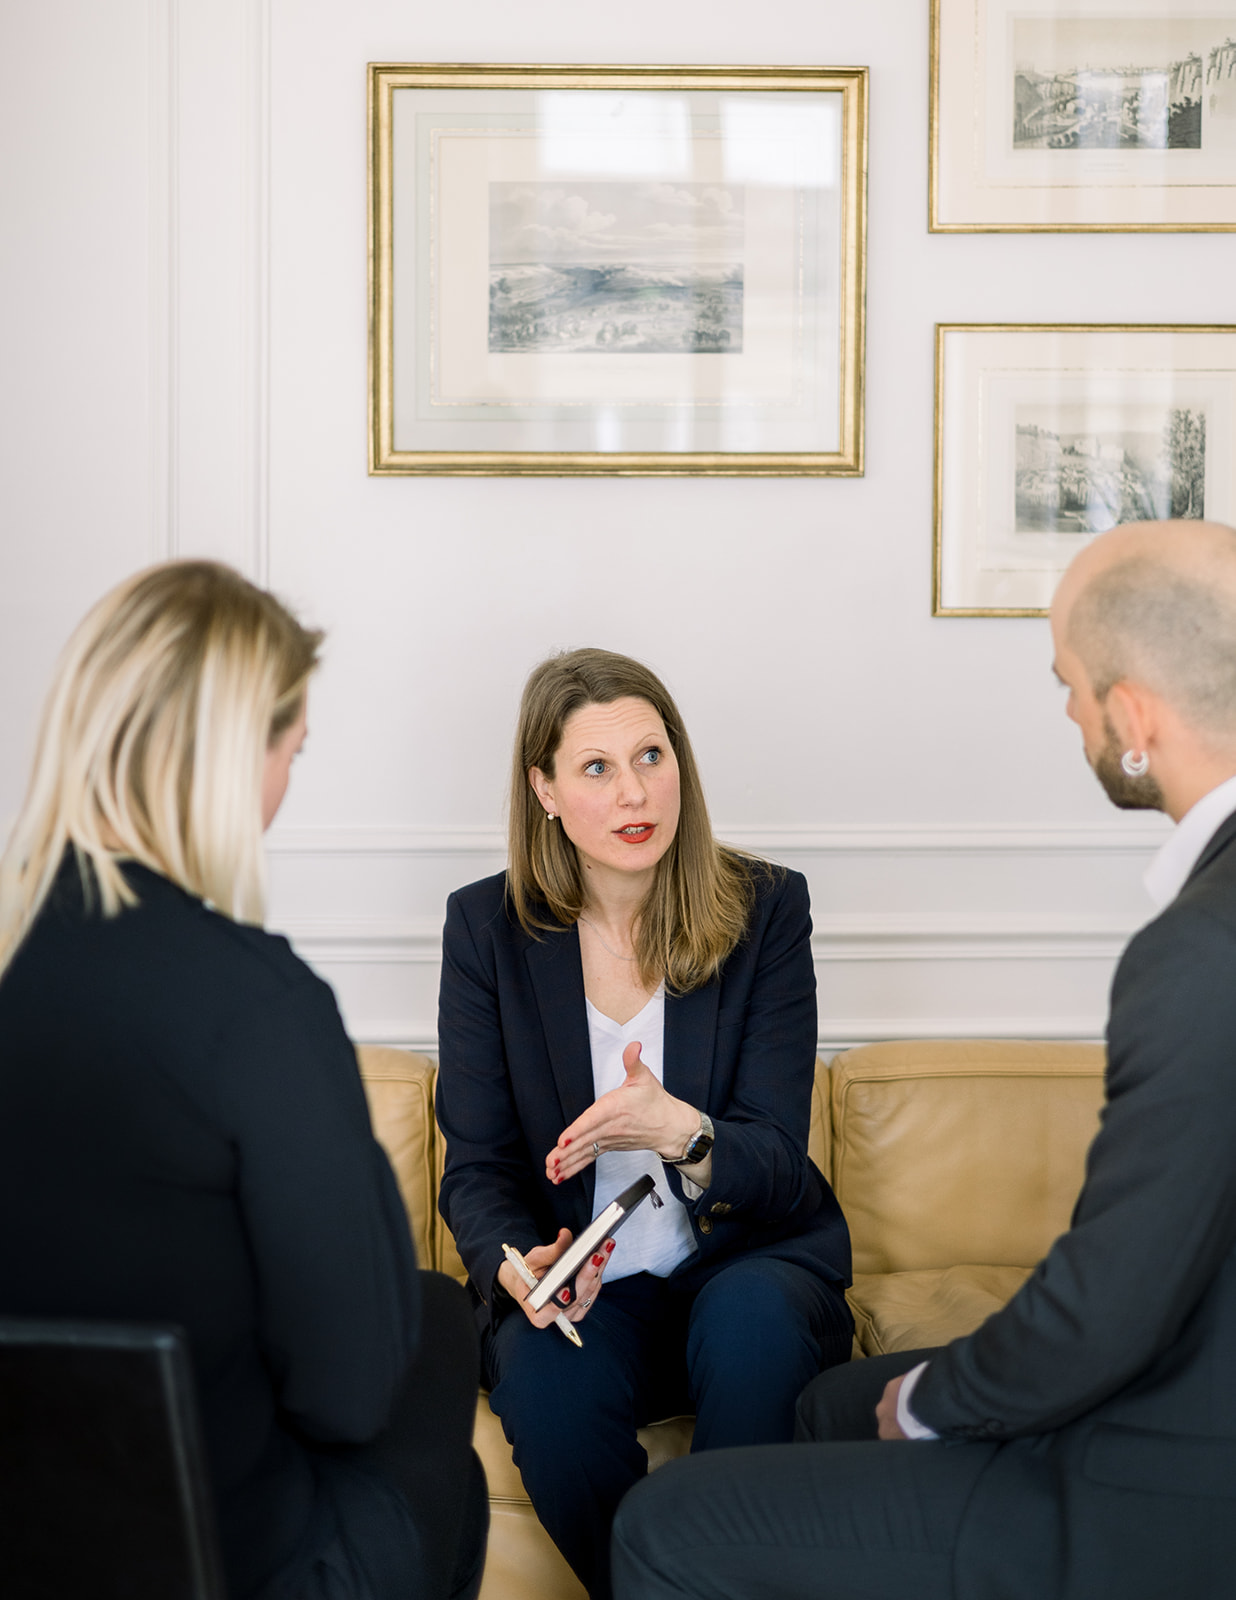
696 911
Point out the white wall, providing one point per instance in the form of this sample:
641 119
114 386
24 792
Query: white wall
184 370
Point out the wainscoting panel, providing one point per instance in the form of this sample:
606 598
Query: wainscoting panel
918 932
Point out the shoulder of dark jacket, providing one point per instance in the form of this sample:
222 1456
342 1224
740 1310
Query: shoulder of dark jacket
229 946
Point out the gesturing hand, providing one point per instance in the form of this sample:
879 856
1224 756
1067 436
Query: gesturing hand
587 1281
639 1115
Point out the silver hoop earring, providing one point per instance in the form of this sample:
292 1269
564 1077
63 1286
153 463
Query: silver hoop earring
1135 766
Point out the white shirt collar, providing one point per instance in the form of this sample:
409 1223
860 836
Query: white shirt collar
1179 854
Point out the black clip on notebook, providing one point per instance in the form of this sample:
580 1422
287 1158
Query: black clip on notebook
593 1237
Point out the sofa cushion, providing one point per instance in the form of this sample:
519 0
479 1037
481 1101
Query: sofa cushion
447 1259
521 1561
957 1151
399 1088
919 1310
489 1442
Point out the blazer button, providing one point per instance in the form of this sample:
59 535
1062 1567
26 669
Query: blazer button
722 1208
705 1225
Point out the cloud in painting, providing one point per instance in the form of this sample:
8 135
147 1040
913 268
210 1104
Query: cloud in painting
614 221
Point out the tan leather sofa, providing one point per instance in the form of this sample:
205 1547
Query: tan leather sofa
956 1163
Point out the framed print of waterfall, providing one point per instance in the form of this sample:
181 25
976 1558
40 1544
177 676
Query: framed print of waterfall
616 270
1047 436
1109 116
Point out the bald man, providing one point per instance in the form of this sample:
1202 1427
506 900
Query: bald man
1081 1445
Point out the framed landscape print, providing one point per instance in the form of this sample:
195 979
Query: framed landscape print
635 270
1112 116
1047 436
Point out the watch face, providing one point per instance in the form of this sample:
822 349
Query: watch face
698 1148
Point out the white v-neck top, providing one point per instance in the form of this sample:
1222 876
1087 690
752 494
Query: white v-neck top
652 1240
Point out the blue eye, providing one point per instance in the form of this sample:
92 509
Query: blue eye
651 756
595 768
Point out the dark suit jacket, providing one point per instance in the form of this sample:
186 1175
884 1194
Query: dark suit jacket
184 1137
1112 1373
516 1068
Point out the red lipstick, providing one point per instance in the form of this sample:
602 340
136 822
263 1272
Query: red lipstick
635 832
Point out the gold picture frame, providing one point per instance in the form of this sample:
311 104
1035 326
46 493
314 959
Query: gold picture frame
630 270
1047 434
1047 119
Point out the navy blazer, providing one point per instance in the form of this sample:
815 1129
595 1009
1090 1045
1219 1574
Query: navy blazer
184 1138
516 1069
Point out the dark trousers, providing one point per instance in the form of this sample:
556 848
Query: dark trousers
850 1519
737 1354
410 1509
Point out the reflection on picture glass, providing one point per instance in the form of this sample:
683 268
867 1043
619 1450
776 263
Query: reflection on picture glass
653 268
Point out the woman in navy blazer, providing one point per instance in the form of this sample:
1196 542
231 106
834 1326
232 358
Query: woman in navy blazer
183 1131
631 996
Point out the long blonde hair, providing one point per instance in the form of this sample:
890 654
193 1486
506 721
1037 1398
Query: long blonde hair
696 910
153 743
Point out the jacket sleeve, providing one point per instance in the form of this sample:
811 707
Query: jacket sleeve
764 1070
1156 1215
338 1294
488 1179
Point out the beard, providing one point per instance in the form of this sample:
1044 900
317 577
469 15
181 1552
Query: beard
1130 794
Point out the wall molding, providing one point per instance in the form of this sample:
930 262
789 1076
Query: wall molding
1036 918
210 255
164 140
255 250
774 840
378 944
933 936
841 838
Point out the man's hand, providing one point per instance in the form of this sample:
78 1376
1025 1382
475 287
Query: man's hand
886 1411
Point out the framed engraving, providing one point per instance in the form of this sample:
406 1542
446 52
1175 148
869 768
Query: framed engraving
637 270
1047 436
1119 116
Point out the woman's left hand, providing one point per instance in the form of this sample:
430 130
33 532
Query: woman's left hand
640 1114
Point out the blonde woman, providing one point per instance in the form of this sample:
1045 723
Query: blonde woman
183 1133
629 997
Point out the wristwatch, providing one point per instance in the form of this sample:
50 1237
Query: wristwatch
698 1145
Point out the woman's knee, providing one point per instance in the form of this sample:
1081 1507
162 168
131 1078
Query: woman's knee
763 1305
537 1379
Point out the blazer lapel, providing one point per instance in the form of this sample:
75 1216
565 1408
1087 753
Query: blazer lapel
557 977
1216 845
690 1037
